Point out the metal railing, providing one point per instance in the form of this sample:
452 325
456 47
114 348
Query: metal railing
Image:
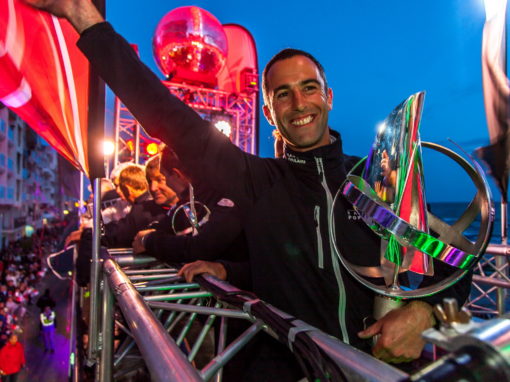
161 312
491 282
161 333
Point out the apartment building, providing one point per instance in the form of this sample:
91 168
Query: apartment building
28 178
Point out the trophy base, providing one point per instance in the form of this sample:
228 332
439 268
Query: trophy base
384 304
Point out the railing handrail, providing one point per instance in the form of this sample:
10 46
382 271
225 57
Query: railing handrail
162 356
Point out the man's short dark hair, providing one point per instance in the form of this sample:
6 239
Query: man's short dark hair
283 55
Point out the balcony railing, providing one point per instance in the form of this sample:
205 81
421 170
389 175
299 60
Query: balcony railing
3 127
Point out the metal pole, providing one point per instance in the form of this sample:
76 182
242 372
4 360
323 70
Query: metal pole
105 369
222 340
354 362
137 143
502 262
498 249
116 124
96 103
73 353
125 260
95 269
497 282
163 358
221 359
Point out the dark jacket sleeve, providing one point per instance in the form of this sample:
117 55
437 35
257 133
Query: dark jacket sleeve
213 239
238 273
205 153
120 234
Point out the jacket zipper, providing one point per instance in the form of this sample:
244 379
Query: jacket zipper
320 252
334 259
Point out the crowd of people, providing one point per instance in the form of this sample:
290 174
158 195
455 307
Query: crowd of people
21 268
267 222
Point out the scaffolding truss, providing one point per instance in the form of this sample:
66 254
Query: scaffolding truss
239 108
168 327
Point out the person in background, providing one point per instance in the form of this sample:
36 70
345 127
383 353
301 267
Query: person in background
12 359
4 333
135 189
114 205
48 325
220 236
3 293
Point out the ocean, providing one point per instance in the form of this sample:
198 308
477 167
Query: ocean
451 212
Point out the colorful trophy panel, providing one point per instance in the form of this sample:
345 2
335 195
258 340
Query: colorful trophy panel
389 196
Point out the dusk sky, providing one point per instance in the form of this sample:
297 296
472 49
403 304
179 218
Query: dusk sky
376 54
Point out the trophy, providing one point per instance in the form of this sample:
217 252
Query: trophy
387 190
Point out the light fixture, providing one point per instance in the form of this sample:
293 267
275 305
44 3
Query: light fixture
108 147
152 148
224 126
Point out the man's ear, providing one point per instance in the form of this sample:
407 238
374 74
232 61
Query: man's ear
330 99
267 114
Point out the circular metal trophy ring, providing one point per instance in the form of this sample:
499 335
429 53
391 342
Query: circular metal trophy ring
450 246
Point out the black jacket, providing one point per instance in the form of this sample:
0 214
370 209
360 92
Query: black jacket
221 238
284 203
120 234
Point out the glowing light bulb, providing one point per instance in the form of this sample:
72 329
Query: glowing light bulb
224 127
108 148
152 148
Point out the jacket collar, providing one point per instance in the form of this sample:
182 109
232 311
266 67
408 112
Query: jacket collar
331 152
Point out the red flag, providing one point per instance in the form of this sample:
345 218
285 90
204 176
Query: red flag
44 78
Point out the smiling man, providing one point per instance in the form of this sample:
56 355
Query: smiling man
159 185
297 100
284 203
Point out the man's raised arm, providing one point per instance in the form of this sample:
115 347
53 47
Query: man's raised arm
202 150
80 13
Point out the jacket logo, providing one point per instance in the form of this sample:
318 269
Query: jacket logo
294 158
226 203
353 215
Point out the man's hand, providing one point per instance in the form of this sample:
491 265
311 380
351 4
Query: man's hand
188 271
138 241
400 332
80 13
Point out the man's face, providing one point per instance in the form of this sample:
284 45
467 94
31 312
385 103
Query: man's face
298 104
117 188
160 191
